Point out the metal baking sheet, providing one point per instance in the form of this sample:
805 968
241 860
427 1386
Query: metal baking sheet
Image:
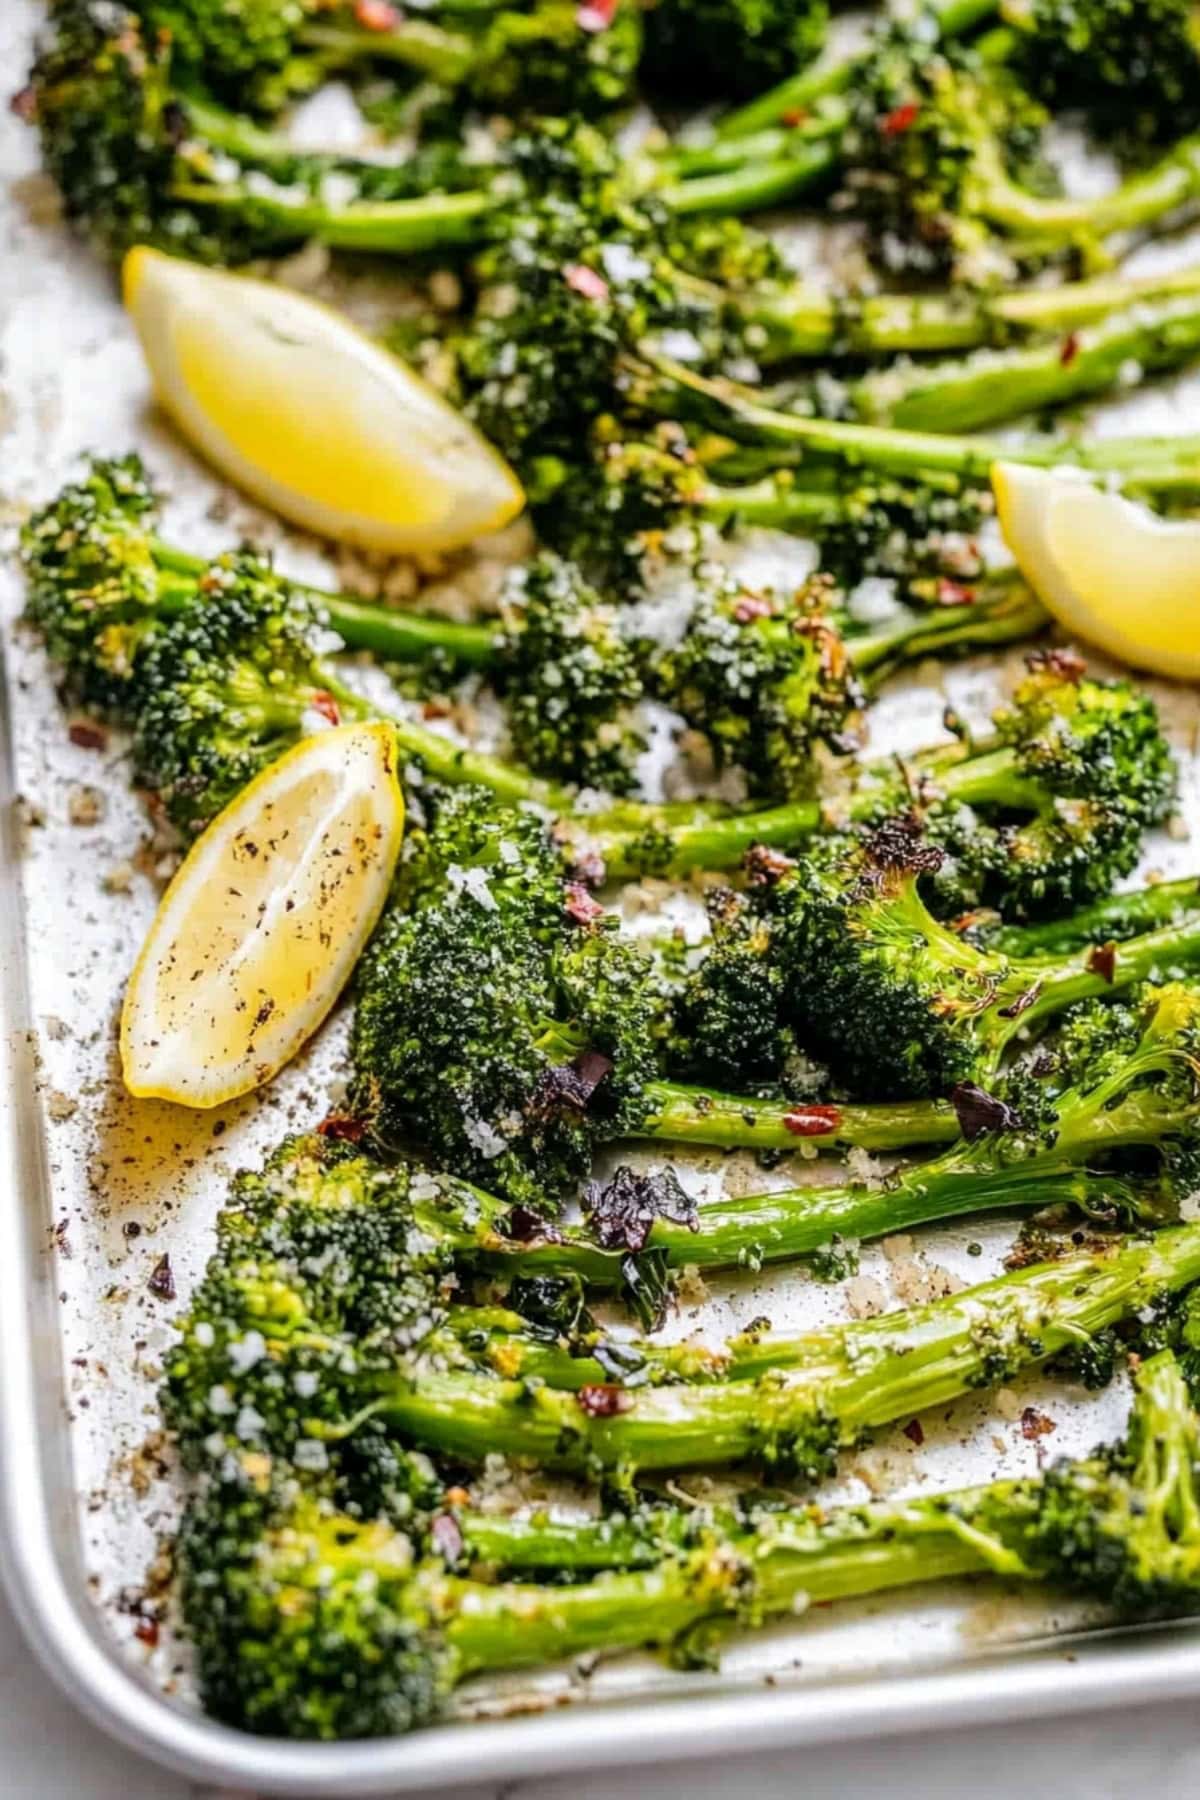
96 1188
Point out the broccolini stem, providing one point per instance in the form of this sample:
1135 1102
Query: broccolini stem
447 761
1153 956
432 222
841 1381
1171 184
445 56
992 388
1113 918
752 186
800 321
668 386
693 1115
388 632
790 1562
1003 612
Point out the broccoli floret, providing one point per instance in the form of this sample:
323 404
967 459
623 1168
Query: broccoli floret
226 687
705 49
764 676
1088 771
896 1002
570 678
1132 65
306 1621
501 1020
93 583
930 131
1125 1523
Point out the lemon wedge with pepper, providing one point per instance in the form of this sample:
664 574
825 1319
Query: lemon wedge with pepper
308 415
1108 569
262 925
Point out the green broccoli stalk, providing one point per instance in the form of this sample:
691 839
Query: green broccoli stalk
1110 920
780 321
1046 814
1158 467
994 386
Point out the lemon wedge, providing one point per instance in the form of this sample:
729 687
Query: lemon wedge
309 416
265 920
1106 568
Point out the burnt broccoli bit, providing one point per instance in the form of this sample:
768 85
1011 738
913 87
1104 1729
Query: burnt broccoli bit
570 678
501 1019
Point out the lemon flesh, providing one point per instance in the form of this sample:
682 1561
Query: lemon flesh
308 415
1108 569
263 923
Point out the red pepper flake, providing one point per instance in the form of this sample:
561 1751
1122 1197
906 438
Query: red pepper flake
580 906
812 1121
1035 1424
751 606
324 703
604 1399
795 115
376 15
87 734
900 119
24 104
146 1632
1102 960
914 1431
446 1537
954 593
1069 349
596 15
582 280
342 1128
162 1279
